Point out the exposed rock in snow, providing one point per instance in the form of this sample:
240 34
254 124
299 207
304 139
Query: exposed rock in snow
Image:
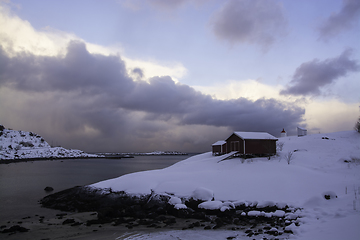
329 195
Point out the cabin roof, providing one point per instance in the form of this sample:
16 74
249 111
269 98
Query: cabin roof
255 135
222 142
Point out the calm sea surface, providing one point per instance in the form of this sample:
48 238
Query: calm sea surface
22 184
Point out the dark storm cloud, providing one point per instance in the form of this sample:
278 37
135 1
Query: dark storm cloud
311 76
91 95
340 21
138 72
162 95
243 114
250 21
78 70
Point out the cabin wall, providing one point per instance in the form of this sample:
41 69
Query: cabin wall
219 149
260 146
301 132
216 148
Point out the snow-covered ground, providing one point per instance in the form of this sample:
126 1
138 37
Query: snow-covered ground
28 145
319 165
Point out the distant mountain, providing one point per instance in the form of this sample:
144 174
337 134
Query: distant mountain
28 145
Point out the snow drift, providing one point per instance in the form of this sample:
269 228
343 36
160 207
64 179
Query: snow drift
319 166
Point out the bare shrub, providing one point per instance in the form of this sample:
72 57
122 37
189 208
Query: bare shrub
357 125
289 156
279 146
355 160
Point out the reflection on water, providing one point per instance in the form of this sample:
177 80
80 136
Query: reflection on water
22 184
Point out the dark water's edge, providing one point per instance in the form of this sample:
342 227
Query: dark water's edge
8 161
22 183
121 156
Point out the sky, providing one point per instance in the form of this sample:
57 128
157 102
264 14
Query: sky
146 75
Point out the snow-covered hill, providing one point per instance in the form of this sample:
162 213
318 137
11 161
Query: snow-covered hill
28 145
308 170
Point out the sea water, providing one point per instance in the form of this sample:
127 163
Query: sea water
22 184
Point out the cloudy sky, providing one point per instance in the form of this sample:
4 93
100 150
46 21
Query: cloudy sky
145 75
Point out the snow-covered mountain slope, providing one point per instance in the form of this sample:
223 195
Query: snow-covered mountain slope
27 145
317 166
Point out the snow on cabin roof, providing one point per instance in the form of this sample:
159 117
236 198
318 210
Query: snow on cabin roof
219 143
302 128
255 135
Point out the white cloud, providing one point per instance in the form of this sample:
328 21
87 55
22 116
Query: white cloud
233 89
152 68
331 116
18 35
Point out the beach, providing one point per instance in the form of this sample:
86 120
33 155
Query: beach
61 225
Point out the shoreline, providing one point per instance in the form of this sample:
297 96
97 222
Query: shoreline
67 225
18 160
156 212
8 161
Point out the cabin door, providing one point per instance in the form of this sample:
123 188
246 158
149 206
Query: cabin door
235 146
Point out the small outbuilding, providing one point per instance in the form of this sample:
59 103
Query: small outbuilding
219 148
301 131
253 143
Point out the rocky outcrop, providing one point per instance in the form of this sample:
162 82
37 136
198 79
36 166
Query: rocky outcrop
132 210
20 145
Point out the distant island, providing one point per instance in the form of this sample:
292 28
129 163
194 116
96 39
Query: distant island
17 146
132 154
22 145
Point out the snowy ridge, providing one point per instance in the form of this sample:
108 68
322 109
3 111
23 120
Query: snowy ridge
29 145
322 177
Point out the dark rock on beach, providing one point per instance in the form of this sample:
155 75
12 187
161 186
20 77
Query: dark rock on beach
109 205
14 229
68 221
155 211
48 189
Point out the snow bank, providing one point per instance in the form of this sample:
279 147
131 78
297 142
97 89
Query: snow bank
202 194
319 166
211 205
311 173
